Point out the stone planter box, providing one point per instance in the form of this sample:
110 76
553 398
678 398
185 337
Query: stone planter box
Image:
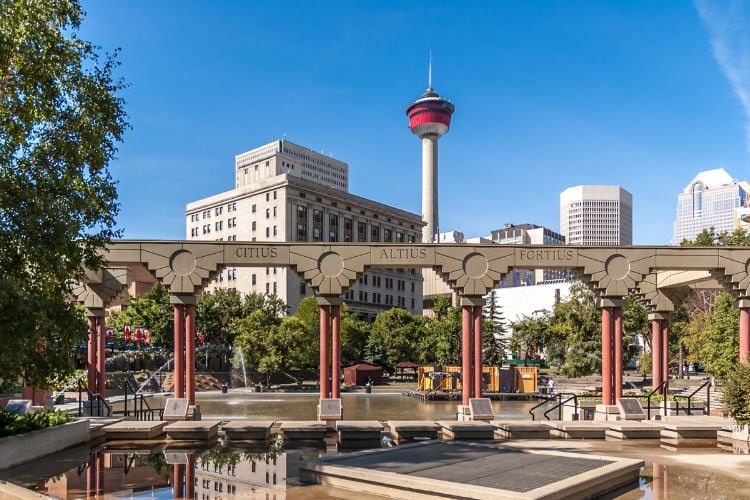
23 448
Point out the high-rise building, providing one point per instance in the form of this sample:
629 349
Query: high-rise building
713 199
596 215
528 234
285 192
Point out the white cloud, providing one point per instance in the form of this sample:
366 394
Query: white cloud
727 23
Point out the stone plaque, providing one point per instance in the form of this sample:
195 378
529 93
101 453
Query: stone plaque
18 406
176 409
630 409
481 409
330 409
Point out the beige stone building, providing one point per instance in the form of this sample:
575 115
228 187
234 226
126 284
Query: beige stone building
284 192
596 215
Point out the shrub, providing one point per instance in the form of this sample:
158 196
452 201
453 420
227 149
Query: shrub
737 393
11 424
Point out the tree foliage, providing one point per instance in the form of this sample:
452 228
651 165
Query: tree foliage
151 310
494 343
712 339
397 334
736 393
60 121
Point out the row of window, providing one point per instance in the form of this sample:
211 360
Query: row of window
345 234
378 298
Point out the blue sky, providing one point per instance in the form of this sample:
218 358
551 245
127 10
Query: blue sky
548 95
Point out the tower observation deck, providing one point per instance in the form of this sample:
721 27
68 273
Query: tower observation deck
430 118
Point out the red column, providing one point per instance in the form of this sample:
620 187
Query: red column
324 352
101 356
91 355
656 345
335 351
665 351
178 484
607 356
190 353
618 352
744 334
190 477
179 351
466 376
477 351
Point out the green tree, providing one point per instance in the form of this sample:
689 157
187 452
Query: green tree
216 310
396 333
736 393
576 321
441 338
494 344
712 338
60 121
153 311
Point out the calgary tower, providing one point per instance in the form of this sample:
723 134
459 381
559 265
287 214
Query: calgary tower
429 118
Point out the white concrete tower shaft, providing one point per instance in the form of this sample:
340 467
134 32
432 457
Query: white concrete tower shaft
430 188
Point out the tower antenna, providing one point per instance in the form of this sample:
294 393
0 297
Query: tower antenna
429 73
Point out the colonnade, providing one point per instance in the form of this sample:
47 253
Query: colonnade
330 347
471 348
184 347
96 355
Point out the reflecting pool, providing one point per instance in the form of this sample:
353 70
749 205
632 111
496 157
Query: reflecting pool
357 406
269 471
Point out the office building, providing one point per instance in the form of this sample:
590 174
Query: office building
596 215
284 192
713 199
528 234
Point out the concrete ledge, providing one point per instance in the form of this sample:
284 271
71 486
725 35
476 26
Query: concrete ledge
135 429
522 430
191 430
250 430
406 430
634 430
471 429
304 430
577 430
22 448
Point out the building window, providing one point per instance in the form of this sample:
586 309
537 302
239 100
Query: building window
253 279
252 225
348 237
274 211
301 223
333 227
255 208
411 238
268 288
374 233
268 232
388 235
274 230
274 196
268 196
268 213
361 231
317 225
302 288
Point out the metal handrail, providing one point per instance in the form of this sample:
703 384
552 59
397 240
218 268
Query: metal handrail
561 403
707 407
654 391
138 400
92 397
546 399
